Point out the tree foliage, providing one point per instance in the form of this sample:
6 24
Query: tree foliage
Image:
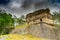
56 18
6 22
21 20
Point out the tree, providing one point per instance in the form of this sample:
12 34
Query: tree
6 22
56 18
21 20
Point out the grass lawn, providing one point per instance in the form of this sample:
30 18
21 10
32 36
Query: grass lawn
20 37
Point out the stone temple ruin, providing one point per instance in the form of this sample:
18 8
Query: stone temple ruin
40 25
38 16
39 21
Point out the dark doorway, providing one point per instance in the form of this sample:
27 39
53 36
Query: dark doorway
41 19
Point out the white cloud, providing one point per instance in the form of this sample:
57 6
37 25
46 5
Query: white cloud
15 4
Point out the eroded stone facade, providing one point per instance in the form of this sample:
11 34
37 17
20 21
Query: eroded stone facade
38 16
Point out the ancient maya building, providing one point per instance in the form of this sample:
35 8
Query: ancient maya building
40 21
39 16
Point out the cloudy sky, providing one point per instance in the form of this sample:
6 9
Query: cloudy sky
22 7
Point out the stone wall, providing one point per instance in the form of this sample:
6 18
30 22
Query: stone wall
43 31
32 18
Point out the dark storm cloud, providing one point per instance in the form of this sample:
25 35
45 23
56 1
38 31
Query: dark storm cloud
27 3
4 2
39 2
35 3
58 1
